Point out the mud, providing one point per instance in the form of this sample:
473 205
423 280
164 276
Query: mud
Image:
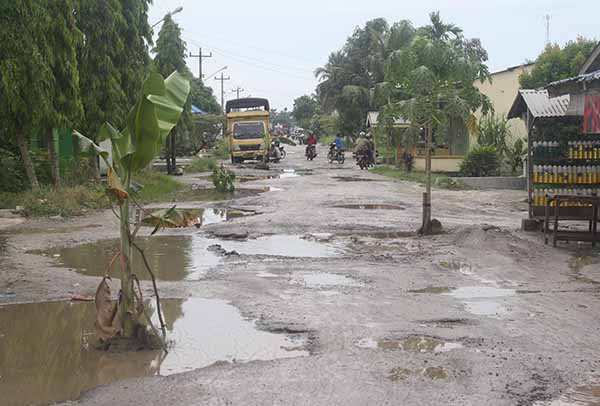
325 280
419 344
371 207
47 351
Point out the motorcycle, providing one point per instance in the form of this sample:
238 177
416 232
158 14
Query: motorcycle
363 160
311 152
335 154
276 153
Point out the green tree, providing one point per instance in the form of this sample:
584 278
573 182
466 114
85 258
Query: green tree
112 60
557 63
170 56
304 109
59 49
203 97
434 76
350 82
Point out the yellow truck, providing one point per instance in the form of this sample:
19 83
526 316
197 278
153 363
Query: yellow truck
248 129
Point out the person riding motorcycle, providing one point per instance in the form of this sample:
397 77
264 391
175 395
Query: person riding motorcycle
311 143
339 142
364 146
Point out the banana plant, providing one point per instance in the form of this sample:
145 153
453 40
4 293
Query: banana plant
134 148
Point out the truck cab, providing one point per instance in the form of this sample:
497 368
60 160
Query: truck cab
248 129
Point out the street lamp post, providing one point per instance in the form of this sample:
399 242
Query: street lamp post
177 10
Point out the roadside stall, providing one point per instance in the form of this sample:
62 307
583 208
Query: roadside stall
563 126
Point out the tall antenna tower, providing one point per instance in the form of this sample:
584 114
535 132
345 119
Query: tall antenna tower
547 17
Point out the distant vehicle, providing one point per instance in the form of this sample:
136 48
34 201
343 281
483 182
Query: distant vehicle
248 129
335 154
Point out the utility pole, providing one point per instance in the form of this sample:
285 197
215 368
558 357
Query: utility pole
222 79
237 91
200 56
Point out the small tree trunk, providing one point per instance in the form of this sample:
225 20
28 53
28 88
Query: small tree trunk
127 303
54 164
173 159
22 144
426 227
94 169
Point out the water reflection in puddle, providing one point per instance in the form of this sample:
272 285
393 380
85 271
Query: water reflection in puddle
212 195
204 217
182 257
411 344
324 280
477 299
46 352
402 374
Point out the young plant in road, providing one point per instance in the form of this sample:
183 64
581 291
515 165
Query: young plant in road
149 123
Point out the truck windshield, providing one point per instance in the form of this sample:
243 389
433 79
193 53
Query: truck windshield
247 131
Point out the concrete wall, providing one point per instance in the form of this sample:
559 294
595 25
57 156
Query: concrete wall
498 182
440 163
502 93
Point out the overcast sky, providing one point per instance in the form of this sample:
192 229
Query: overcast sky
272 47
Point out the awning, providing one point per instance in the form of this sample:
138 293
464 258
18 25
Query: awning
539 104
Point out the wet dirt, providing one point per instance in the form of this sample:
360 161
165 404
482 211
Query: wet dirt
47 350
371 207
181 257
285 174
212 195
422 344
436 290
50 230
581 395
317 280
402 374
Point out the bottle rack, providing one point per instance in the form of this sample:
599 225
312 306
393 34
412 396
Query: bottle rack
565 167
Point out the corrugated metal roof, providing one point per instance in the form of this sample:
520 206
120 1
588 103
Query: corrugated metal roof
539 104
587 77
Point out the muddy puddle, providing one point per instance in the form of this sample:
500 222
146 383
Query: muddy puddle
402 374
581 395
285 174
47 350
483 300
317 280
181 257
370 207
411 344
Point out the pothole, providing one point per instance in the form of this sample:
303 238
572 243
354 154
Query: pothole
354 179
212 195
370 207
48 355
436 290
317 280
411 344
285 174
181 257
401 374
51 230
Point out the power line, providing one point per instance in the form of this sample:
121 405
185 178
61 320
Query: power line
259 64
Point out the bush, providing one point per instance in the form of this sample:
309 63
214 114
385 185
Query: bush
495 132
66 201
480 161
515 156
223 179
222 148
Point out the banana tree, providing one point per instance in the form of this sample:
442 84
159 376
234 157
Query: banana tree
134 148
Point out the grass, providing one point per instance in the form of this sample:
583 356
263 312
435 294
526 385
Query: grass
439 180
77 200
204 164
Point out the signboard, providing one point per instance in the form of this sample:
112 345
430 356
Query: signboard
591 115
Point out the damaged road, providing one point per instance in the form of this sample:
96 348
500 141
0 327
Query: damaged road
357 308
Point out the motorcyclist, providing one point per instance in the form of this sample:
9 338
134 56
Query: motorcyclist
311 142
339 142
275 151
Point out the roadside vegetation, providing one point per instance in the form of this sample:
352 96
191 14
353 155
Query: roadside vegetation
77 200
439 180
